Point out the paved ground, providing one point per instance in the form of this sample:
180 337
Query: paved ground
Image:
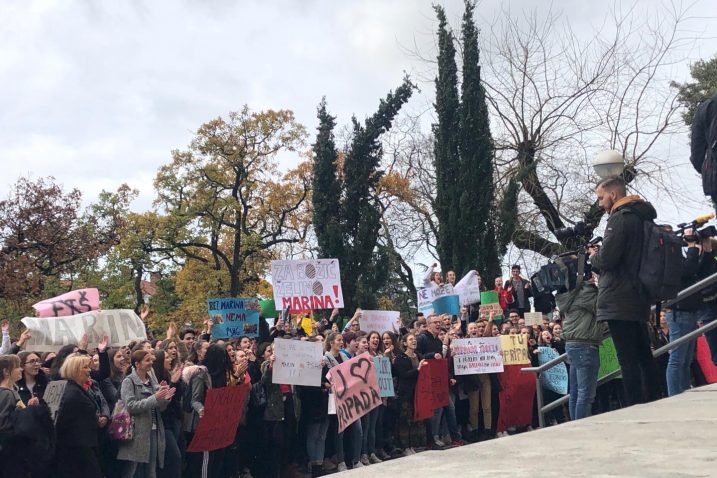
674 437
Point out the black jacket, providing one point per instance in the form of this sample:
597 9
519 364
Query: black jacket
38 390
407 376
77 418
618 262
703 145
428 346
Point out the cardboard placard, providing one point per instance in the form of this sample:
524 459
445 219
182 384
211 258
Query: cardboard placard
234 317
297 362
476 355
355 387
306 285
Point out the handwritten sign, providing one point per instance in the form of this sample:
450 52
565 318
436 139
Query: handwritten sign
704 360
490 310
355 388
380 320
533 318
425 301
53 396
517 392
223 408
384 376
468 289
423 398
608 358
50 334
72 303
297 362
477 355
514 349
555 378
234 317
307 285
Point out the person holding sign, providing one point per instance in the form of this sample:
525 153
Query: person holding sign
370 420
411 433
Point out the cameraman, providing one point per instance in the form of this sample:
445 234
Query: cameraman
620 302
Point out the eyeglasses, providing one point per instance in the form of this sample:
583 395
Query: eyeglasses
33 362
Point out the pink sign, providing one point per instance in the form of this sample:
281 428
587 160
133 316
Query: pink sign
356 389
72 303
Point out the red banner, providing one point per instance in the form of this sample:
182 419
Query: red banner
516 397
704 359
222 411
431 389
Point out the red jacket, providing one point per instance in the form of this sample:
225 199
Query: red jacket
505 297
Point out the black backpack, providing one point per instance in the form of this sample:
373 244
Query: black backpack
661 260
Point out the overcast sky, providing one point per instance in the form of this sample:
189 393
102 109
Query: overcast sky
97 93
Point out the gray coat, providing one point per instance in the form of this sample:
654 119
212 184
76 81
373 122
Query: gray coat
140 402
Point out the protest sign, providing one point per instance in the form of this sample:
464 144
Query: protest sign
425 301
234 317
297 362
223 408
380 320
517 392
356 389
384 376
533 318
477 355
489 297
555 378
439 382
74 302
608 358
468 289
514 349
447 304
53 396
50 334
423 398
704 360
306 285
268 309
493 310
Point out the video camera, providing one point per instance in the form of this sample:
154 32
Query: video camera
698 234
560 274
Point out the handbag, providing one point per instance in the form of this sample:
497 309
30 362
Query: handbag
257 397
122 426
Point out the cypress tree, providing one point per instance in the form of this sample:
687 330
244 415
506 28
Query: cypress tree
475 246
446 132
326 188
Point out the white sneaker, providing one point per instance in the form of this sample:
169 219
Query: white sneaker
341 467
437 441
373 459
358 464
364 460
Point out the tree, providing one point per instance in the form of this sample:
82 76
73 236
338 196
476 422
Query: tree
225 203
45 236
475 237
690 94
363 265
447 160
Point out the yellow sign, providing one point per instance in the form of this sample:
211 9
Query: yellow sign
514 349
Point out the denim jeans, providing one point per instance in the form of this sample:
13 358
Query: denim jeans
355 435
680 323
172 453
584 360
708 313
368 426
316 440
449 413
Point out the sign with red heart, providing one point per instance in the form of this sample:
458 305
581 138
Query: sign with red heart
356 389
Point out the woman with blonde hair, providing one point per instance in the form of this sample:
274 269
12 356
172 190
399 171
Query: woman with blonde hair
77 422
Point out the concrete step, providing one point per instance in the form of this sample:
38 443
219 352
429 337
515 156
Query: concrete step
673 437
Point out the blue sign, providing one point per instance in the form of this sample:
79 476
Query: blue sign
556 378
448 304
234 317
384 376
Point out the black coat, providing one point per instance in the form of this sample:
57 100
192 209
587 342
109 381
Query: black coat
407 376
703 145
428 346
77 418
38 390
618 263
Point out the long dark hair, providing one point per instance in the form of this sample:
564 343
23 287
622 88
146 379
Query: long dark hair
218 365
159 371
60 359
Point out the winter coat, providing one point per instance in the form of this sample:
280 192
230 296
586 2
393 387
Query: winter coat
140 401
407 375
580 323
274 411
77 419
38 390
197 378
428 346
703 144
618 262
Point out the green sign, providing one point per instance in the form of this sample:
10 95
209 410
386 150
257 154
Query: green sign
489 297
608 358
268 308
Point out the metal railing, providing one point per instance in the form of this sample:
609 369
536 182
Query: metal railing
545 408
